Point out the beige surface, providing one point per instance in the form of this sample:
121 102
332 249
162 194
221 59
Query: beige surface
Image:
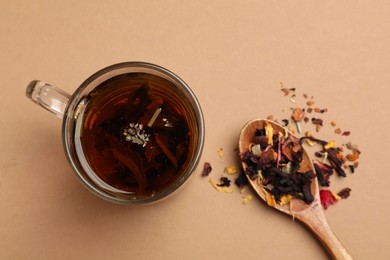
234 57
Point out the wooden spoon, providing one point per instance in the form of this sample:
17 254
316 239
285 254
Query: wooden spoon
310 214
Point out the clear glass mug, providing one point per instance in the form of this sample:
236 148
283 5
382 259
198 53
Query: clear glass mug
132 132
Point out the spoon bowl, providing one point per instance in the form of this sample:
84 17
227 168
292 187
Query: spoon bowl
310 214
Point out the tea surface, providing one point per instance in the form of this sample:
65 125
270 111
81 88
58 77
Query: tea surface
135 133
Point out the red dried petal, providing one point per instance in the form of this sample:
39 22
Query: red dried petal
327 198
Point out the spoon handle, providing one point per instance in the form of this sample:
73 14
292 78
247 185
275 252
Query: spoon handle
315 219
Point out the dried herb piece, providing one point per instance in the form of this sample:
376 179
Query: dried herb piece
292 149
336 160
351 146
346 133
206 169
323 172
298 114
310 103
285 122
241 180
318 122
333 155
319 110
352 156
225 182
287 91
344 193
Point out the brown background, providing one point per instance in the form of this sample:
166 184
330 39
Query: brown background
233 54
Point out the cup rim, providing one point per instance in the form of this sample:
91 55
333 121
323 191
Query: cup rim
67 144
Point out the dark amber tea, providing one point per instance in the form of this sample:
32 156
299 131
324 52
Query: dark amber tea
132 132
135 133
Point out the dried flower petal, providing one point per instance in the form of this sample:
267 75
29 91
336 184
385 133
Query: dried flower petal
327 198
231 170
269 132
220 152
331 144
270 199
247 199
285 199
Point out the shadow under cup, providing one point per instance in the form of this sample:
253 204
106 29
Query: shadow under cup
133 133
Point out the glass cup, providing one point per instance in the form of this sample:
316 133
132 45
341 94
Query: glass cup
132 132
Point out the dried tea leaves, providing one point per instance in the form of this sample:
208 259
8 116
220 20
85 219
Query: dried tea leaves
206 169
279 168
332 156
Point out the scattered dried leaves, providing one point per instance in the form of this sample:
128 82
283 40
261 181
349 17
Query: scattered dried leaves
331 156
206 169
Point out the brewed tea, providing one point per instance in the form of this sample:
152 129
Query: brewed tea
136 133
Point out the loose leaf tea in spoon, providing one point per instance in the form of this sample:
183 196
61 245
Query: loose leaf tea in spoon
280 171
274 160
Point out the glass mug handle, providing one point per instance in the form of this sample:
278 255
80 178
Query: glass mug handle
48 96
